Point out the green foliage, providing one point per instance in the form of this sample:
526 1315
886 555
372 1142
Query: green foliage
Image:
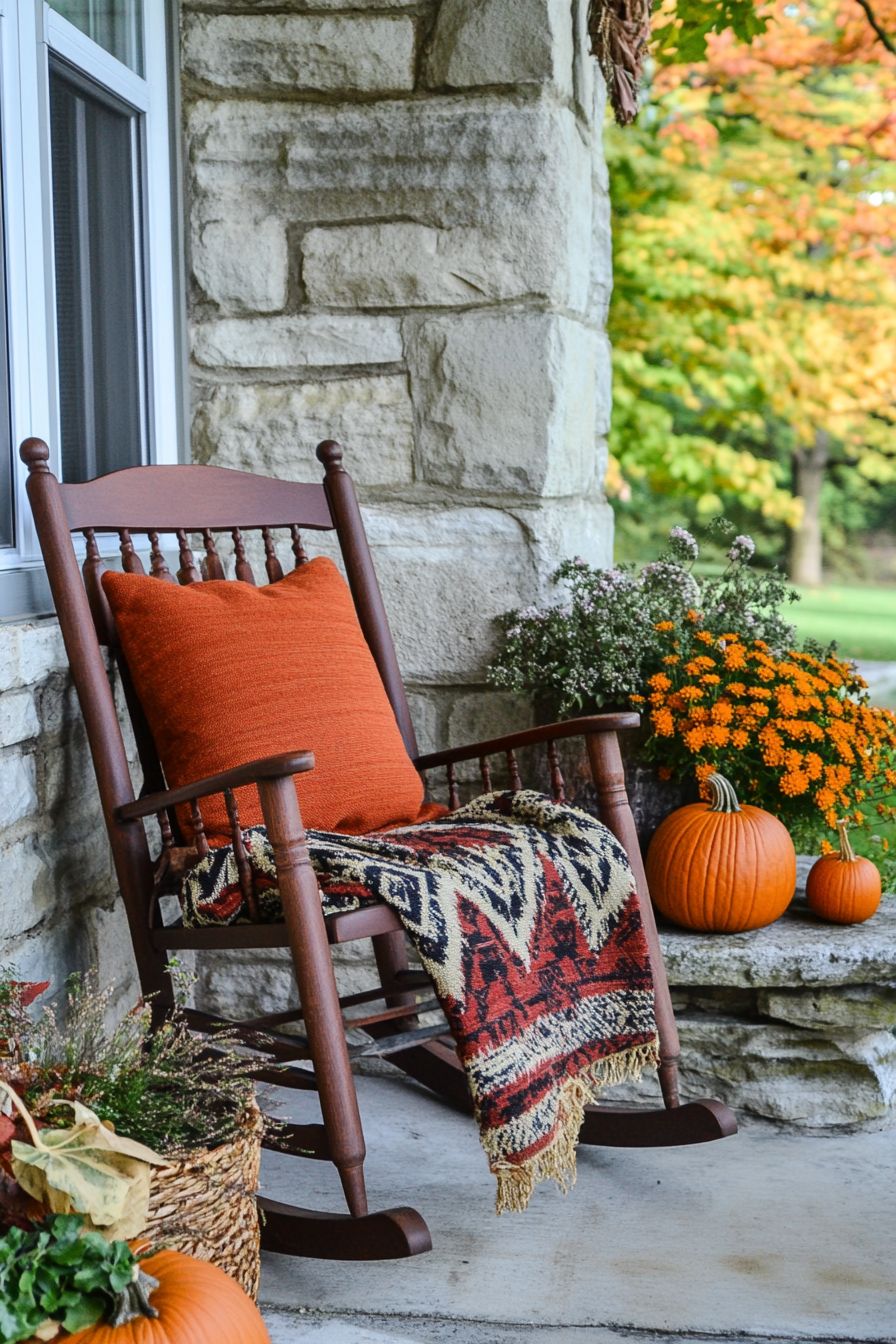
754 216
683 37
164 1088
59 1273
601 645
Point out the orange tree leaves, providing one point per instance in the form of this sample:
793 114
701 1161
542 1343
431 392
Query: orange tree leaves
755 262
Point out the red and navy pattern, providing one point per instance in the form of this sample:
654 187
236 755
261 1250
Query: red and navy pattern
524 913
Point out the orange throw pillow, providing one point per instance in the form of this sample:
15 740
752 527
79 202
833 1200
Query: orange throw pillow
227 673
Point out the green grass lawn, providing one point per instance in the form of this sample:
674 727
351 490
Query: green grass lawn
862 620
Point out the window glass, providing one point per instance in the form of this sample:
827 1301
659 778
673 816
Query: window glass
7 504
94 151
116 25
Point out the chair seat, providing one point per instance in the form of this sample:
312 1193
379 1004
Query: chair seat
373 918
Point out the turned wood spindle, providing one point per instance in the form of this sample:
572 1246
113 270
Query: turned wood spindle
243 568
486 774
93 570
199 840
158 568
298 549
130 560
515 782
271 563
165 827
558 783
243 866
453 795
212 567
188 573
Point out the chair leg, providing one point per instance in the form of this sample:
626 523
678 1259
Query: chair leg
394 1233
317 988
616 814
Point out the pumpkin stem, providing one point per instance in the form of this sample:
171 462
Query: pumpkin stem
724 799
133 1300
847 853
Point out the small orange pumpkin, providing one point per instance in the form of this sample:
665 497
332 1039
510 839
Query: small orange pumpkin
196 1303
844 887
720 867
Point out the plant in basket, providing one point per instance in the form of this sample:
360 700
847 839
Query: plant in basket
142 1132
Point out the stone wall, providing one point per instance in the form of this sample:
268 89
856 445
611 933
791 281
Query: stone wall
59 909
399 238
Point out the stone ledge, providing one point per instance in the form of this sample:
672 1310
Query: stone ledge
797 951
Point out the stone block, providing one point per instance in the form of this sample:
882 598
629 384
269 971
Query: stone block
854 1007
113 956
21 908
556 528
9 657
520 173
18 791
803 1078
40 650
426 717
50 951
242 264
18 718
274 429
321 341
504 401
797 951
482 715
486 42
446 572
267 52
412 265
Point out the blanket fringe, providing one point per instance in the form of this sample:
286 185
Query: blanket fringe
557 1162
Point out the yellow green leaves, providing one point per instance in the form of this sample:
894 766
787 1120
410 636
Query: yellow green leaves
87 1169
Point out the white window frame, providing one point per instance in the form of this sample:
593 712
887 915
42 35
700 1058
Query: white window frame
29 32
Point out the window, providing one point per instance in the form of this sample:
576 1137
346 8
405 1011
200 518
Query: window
90 315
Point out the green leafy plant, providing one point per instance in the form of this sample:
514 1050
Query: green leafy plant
600 646
60 1273
167 1088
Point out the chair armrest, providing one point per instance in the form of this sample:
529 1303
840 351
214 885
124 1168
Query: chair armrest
270 767
551 732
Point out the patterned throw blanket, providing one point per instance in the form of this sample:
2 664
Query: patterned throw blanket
524 914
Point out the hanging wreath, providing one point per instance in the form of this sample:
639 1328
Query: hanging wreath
620 32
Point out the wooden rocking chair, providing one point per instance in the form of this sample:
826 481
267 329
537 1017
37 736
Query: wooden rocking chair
185 500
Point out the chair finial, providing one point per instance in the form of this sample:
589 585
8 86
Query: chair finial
35 454
330 453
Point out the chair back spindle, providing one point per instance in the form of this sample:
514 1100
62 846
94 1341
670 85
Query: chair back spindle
243 568
486 774
241 858
272 565
158 566
298 549
212 567
188 573
558 784
453 794
130 560
515 782
200 839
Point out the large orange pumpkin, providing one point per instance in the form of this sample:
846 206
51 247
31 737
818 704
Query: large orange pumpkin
197 1304
844 887
720 867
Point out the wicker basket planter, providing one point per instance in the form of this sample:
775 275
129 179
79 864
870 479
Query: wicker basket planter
205 1206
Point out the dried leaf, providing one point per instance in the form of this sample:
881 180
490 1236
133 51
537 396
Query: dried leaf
88 1169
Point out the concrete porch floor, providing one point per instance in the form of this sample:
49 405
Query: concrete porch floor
765 1234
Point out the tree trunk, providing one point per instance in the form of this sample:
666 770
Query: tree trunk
808 477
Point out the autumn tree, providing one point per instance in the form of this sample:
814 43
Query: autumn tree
754 317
